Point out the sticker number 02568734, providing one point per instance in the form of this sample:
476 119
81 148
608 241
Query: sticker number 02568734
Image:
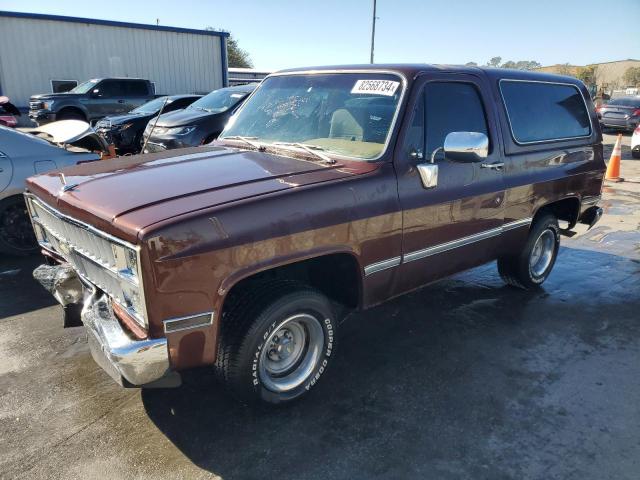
376 87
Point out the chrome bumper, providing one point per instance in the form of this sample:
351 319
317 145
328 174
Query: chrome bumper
129 362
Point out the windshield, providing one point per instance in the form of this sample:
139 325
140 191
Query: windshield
219 101
153 106
347 114
84 87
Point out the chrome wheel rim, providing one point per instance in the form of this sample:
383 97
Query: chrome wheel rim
291 352
542 253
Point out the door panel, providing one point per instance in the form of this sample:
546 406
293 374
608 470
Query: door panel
455 225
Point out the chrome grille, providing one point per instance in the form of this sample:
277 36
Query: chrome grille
35 105
87 244
96 256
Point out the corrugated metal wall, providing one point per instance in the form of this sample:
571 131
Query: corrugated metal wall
33 52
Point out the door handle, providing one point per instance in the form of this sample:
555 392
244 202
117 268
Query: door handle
120 101
492 166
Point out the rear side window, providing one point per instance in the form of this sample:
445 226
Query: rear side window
451 107
136 88
540 112
112 88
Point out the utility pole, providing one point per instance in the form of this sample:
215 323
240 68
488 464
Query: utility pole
373 30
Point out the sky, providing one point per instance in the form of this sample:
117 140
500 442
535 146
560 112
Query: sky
293 33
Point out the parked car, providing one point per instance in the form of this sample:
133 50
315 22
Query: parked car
199 123
330 190
25 154
635 143
8 112
125 131
91 100
620 113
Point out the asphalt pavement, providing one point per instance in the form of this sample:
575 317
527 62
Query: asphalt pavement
466 378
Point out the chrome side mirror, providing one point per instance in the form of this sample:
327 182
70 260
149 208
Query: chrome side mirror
466 146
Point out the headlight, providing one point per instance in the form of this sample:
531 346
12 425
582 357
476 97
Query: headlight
122 127
47 105
180 130
126 261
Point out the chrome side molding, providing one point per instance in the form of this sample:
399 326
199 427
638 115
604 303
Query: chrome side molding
444 247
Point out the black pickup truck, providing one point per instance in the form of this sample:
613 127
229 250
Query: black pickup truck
91 100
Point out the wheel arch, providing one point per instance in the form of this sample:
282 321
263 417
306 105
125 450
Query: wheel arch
567 209
75 109
336 273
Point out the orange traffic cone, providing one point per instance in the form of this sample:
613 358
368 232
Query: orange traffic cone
613 169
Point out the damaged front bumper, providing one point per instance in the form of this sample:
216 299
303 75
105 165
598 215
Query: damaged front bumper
130 362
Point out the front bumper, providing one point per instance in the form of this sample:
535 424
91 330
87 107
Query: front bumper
42 116
129 361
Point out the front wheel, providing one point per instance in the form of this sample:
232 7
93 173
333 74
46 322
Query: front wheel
16 231
277 341
533 265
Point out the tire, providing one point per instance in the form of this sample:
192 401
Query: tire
277 341
70 115
524 271
16 232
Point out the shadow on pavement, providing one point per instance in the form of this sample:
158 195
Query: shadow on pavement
19 292
466 378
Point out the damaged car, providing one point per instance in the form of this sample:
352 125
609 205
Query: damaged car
125 131
54 146
198 124
8 113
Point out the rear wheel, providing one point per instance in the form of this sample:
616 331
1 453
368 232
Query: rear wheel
277 340
16 231
533 265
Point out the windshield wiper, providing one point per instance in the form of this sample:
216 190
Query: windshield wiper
246 140
309 148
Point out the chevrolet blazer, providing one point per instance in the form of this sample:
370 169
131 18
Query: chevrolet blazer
331 189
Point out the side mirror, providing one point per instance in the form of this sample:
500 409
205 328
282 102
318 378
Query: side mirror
466 146
95 93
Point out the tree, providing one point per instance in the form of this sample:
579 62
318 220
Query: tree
587 75
632 77
494 62
236 57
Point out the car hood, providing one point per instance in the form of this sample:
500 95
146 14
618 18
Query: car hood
54 96
124 118
188 116
126 196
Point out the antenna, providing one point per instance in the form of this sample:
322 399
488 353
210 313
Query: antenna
373 30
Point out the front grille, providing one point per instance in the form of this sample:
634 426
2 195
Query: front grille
97 257
35 105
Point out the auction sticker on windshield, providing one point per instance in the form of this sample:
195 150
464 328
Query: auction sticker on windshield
376 87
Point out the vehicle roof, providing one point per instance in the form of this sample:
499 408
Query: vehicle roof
184 95
250 87
115 78
411 70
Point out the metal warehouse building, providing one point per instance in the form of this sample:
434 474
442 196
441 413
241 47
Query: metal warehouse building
46 53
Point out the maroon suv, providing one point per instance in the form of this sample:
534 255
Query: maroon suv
331 189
